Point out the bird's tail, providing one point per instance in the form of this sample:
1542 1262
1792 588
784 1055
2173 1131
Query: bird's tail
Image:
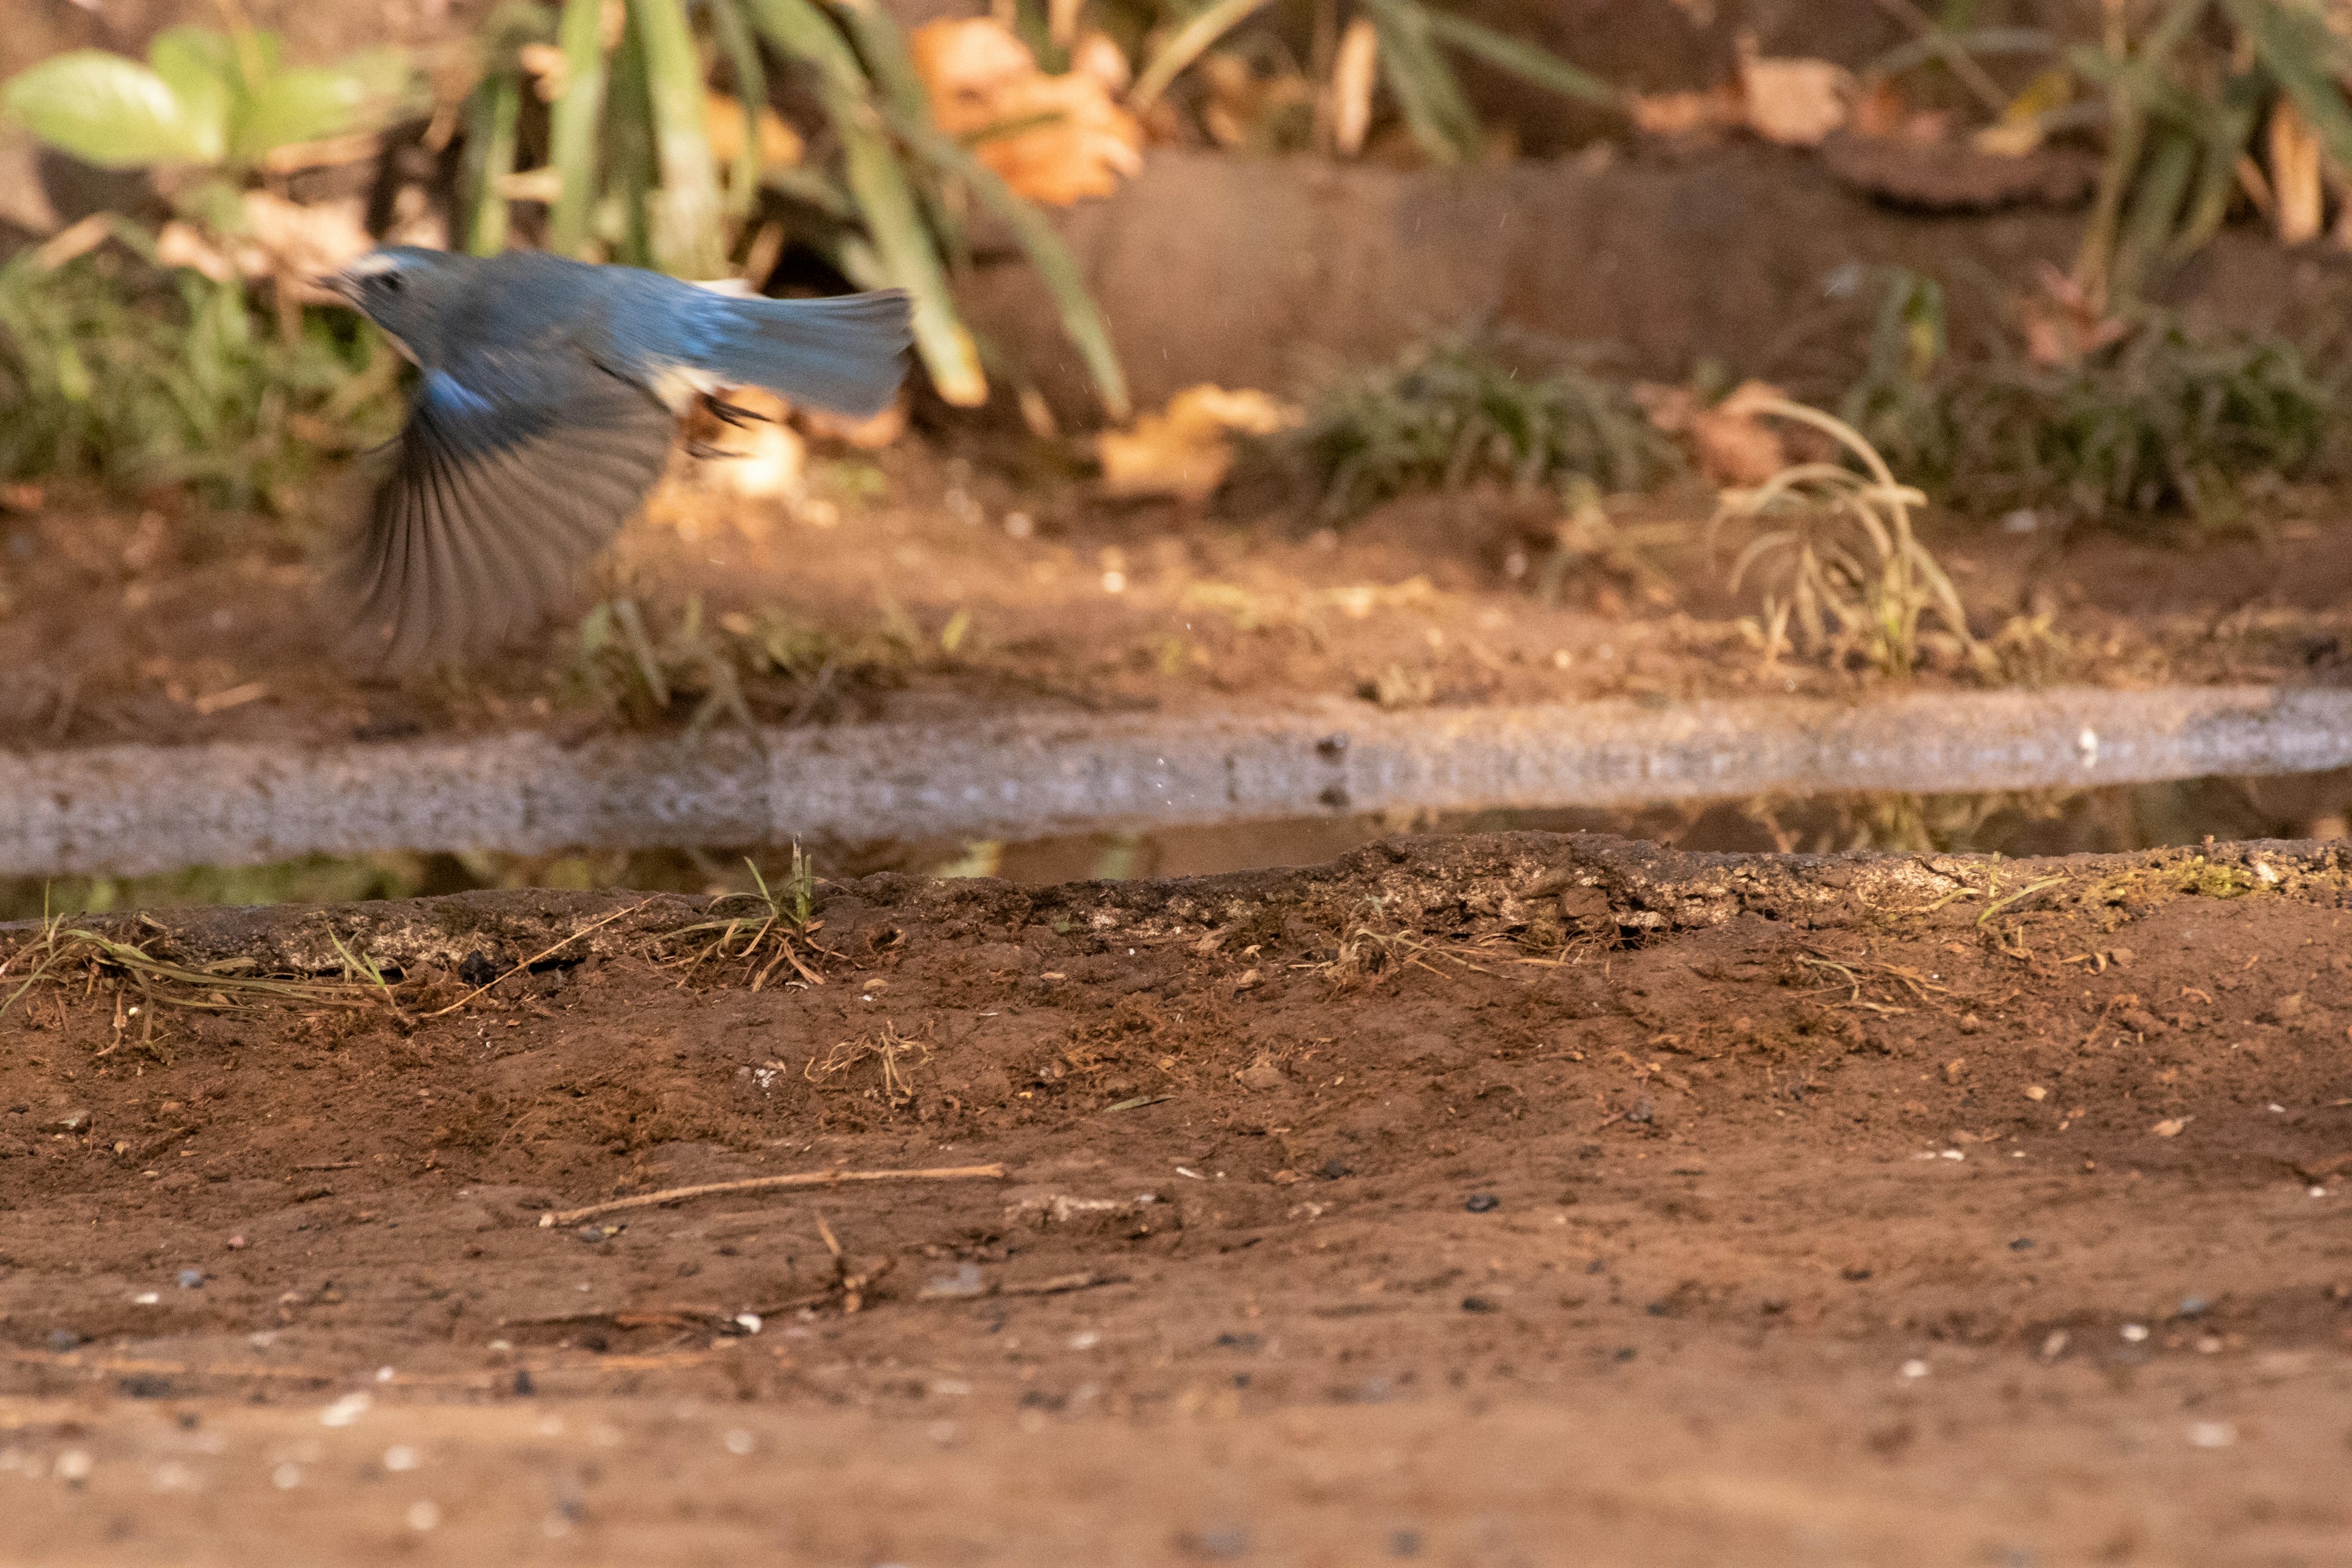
841 354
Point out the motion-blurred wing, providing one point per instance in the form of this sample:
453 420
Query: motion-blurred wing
499 496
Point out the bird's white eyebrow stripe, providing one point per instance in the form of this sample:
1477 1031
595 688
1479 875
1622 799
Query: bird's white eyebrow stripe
372 264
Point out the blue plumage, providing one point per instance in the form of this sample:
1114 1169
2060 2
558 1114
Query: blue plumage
545 412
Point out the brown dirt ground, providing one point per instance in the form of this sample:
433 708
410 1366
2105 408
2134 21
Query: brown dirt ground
1512 1199
169 627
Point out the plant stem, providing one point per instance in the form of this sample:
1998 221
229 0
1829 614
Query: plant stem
571 131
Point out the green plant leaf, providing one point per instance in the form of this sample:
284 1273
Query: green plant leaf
201 67
2296 45
1191 41
687 235
1081 319
307 103
741 51
1523 60
112 112
571 128
900 249
1436 111
496 107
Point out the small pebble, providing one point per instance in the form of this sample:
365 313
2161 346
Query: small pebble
192 1278
2134 1332
738 1441
73 1467
2194 1307
62 1340
1914 1368
1482 1203
146 1298
2211 1435
400 1457
1478 1304
346 1411
423 1514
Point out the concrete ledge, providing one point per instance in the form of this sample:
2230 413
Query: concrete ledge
137 809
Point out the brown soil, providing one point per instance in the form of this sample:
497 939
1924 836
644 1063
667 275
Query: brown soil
1515 1199
170 626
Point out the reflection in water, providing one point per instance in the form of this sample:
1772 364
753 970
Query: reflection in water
2124 816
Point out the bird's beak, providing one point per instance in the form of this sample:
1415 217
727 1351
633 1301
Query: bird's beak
342 285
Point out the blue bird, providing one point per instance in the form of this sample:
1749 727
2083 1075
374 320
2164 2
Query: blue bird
548 399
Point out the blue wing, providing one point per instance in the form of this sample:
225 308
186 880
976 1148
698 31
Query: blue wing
505 482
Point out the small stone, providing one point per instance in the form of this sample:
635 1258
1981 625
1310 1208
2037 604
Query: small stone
1261 1074
2211 1435
2193 1306
192 1278
73 1122
63 1340
523 1386
1223 1544
2134 1332
2022 1244
1914 1368
400 1457
422 1515
74 1467
1482 1203
1335 1167
1478 1304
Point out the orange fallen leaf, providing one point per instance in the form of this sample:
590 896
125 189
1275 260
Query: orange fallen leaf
1187 449
1731 440
1684 113
1795 102
1055 138
722 119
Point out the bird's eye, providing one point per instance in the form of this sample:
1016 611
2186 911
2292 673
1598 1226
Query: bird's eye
390 283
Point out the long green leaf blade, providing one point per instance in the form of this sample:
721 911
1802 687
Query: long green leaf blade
1524 60
1191 40
1435 110
571 128
910 257
687 237
498 105
2296 45
1081 318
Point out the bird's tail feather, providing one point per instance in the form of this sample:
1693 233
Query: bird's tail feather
842 353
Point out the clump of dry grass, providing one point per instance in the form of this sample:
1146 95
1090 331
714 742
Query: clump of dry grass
1838 558
895 1055
776 932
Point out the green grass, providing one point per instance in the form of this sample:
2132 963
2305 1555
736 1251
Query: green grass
1468 408
2168 425
140 376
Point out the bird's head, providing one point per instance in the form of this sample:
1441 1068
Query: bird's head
402 289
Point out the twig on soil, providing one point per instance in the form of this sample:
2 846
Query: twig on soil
992 1173
524 967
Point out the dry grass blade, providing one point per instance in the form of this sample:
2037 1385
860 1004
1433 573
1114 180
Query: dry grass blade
773 1184
60 947
524 967
1844 561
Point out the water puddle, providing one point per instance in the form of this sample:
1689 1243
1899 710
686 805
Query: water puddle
2110 820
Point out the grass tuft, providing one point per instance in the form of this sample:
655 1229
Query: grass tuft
1468 408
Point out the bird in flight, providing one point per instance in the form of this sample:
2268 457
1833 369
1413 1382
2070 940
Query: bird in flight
547 398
